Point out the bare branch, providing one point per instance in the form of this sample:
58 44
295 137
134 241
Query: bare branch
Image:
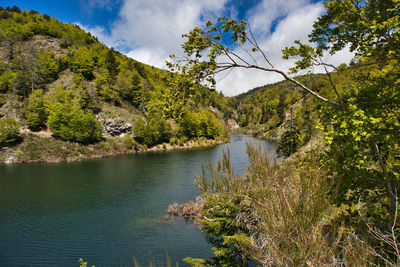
255 61
291 80
394 229
326 65
258 47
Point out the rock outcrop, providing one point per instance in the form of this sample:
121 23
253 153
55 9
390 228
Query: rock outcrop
115 127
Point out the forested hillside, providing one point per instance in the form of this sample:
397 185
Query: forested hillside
285 113
63 94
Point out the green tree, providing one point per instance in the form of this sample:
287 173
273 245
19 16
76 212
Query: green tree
35 112
289 143
82 63
68 121
9 131
371 28
365 126
47 66
200 124
129 87
139 130
6 81
175 97
156 131
111 63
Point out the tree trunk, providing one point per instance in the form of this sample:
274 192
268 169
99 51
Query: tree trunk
388 184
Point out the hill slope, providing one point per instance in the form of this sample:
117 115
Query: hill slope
65 89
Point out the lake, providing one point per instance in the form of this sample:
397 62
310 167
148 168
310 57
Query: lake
106 211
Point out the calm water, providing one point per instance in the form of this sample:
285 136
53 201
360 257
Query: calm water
105 211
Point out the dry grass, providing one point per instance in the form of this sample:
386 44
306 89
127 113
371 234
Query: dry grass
290 221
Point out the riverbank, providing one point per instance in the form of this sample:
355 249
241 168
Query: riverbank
39 148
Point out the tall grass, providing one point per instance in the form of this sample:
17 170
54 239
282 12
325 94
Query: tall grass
290 219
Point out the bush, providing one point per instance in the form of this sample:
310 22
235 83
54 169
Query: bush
35 113
71 123
173 141
289 143
9 131
201 124
82 63
129 142
183 140
6 81
157 131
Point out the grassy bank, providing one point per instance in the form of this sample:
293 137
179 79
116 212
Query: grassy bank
41 148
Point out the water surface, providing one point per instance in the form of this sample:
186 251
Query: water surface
106 210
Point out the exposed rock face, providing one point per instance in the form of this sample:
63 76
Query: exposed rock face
115 127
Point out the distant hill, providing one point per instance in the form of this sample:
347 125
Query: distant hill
283 110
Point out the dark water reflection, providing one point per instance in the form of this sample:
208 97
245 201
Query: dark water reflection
105 211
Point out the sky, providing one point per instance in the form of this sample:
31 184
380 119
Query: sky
150 30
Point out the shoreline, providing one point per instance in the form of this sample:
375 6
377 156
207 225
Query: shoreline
193 144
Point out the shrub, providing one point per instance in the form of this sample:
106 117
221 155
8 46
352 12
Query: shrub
275 213
200 124
173 141
82 63
71 123
184 139
289 143
6 81
129 142
9 131
157 131
35 113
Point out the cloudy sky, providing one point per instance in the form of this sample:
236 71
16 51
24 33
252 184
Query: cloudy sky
150 30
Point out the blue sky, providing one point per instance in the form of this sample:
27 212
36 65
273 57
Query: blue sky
150 30
97 12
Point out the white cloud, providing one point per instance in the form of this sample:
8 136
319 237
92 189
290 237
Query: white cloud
148 56
264 15
100 33
150 30
296 25
155 27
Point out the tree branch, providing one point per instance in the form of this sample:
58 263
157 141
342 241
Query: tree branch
258 47
286 78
